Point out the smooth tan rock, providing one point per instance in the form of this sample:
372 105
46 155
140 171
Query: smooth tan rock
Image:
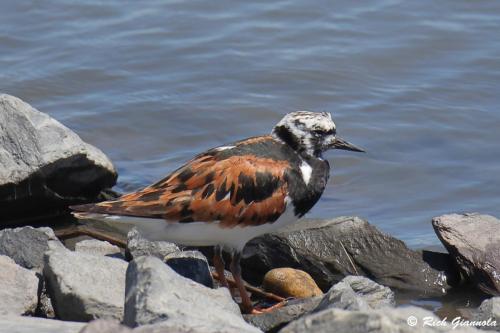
290 282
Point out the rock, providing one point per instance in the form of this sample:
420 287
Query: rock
473 240
155 294
290 282
18 288
139 246
489 310
330 249
45 308
84 286
27 245
44 166
357 293
192 265
18 324
373 321
274 320
97 247
105 326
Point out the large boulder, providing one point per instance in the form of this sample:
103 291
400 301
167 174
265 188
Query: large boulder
156 294
18 288
330 249
474 242
85 286
44 166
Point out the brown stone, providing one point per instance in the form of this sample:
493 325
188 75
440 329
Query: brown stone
473 241
290 282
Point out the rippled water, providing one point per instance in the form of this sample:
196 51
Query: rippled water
152 83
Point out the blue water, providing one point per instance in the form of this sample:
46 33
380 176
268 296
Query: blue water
152 83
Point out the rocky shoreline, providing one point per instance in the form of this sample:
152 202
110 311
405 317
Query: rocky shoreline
343 274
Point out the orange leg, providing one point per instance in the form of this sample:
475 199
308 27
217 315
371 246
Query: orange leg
246 303
220 266
259 310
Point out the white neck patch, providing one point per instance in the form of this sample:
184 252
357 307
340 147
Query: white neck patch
306 171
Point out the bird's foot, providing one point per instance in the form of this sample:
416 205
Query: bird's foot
263 310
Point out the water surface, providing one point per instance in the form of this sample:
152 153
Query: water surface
152 83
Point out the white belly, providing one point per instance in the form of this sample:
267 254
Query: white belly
200 233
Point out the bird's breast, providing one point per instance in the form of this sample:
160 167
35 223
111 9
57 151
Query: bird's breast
306 184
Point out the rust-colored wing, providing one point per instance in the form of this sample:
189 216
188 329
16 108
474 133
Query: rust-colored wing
239 189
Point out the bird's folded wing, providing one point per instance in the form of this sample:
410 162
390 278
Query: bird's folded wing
236 190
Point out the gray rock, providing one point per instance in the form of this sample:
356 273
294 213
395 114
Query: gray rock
155 294
330 249
474 242
18 324
489 310
357 293
43 164
84 286
18 288
373 321
105 326
99 248
26 245
341 296
138 246
192 265
274 320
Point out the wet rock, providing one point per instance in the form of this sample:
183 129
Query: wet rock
473 240
373 321
156 294
97 247
357 293
105 326
330 249
26 245
274 320
138 246
489 310
18 288
290 282
44 166
192 265
21 324
84 286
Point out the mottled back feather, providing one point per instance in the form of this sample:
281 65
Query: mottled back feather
226 185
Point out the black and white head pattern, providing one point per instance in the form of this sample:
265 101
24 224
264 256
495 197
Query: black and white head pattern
307 132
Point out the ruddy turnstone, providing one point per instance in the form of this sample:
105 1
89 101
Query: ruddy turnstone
233 193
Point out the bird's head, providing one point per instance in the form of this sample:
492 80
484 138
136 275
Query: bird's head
310 133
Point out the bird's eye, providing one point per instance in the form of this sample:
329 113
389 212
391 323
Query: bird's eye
319 132
323 132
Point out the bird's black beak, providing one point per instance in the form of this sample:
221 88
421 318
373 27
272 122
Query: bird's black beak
339 143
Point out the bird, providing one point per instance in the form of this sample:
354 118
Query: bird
230 194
